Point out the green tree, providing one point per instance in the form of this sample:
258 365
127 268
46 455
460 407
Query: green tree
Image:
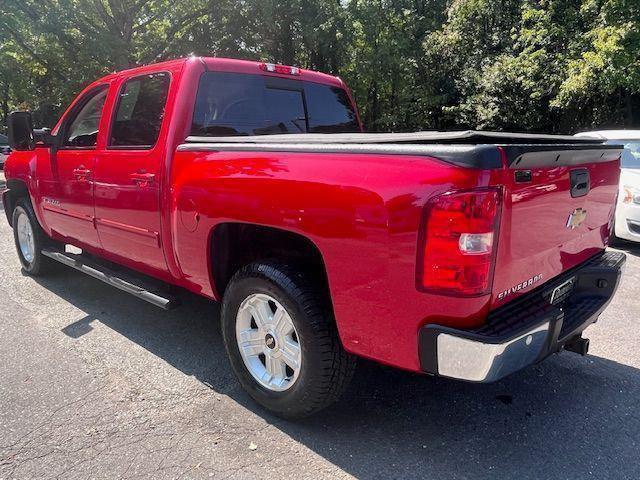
602 85
532 65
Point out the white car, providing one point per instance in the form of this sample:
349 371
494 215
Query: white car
627 221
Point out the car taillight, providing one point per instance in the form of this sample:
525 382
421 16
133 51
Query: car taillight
458 242
275 68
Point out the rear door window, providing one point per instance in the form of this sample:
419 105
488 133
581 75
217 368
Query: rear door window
230 104
140 111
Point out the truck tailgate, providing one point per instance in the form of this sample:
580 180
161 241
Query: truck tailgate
558 202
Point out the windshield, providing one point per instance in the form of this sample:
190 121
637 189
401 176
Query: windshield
242 104
631 155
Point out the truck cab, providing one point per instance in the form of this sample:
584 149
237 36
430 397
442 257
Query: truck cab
99 185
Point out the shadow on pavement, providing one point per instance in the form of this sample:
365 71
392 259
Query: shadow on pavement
569 417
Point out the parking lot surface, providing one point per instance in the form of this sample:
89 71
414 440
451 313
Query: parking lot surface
97 384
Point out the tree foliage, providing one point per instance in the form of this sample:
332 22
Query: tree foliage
529 65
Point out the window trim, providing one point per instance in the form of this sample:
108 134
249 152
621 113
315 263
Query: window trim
114 113
73 114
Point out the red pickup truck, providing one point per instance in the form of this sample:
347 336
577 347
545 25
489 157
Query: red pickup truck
468 255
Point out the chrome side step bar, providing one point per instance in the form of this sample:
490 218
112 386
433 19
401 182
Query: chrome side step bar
129 283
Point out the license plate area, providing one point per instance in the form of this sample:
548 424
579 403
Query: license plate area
562 291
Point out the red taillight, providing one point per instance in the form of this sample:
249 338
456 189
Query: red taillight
275 68
458 243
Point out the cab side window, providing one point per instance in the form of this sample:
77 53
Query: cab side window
140 111
82 132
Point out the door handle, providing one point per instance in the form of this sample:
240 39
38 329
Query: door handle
142 178
81 173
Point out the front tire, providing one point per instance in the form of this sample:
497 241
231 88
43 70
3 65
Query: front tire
30 239
282 340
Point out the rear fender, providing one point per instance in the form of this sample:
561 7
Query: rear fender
361 211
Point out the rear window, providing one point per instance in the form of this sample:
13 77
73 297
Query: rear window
230 104
4 140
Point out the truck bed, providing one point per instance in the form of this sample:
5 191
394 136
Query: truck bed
535 241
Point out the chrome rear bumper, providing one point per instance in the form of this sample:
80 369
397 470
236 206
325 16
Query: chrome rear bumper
526 330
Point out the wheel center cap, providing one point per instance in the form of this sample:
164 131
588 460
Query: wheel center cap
270 341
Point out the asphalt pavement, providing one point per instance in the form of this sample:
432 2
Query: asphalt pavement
97 384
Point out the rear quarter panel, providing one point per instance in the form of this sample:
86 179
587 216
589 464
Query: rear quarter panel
362 212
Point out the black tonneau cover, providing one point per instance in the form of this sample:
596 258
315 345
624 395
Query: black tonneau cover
469 148
466 137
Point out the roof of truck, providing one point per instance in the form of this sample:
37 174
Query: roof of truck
254 67
222 64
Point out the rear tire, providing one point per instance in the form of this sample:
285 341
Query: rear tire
30 239
290 359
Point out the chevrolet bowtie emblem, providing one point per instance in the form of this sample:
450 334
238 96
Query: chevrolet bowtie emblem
576 218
